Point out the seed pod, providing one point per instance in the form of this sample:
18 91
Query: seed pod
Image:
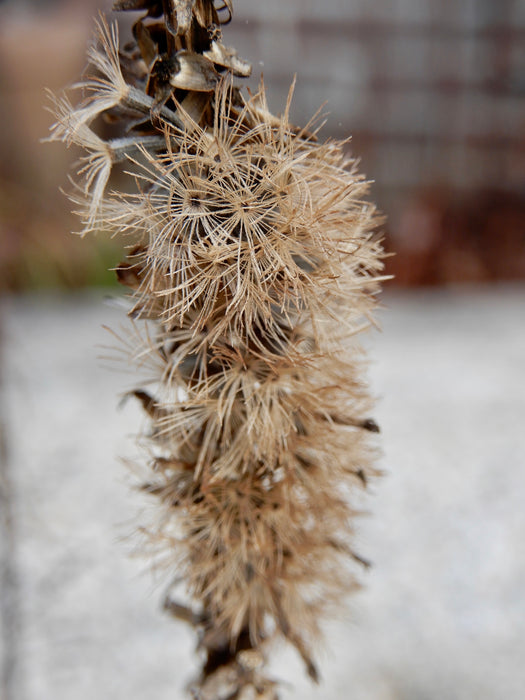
193 72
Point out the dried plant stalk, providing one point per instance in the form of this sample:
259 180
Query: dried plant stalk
253 264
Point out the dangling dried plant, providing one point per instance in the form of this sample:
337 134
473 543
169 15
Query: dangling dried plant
252 264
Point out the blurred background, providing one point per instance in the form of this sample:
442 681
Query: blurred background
431 92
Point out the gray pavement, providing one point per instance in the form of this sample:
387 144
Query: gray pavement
442 614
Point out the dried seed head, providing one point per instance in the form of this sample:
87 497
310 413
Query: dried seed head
252 264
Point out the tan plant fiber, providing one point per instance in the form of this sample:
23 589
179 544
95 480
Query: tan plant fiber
253 264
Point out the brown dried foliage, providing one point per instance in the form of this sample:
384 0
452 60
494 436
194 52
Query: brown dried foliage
253 265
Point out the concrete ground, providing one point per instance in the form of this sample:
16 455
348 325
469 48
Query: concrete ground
442 614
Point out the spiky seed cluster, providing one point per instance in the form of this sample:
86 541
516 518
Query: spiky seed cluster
252 255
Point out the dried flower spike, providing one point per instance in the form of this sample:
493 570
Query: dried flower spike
253 264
